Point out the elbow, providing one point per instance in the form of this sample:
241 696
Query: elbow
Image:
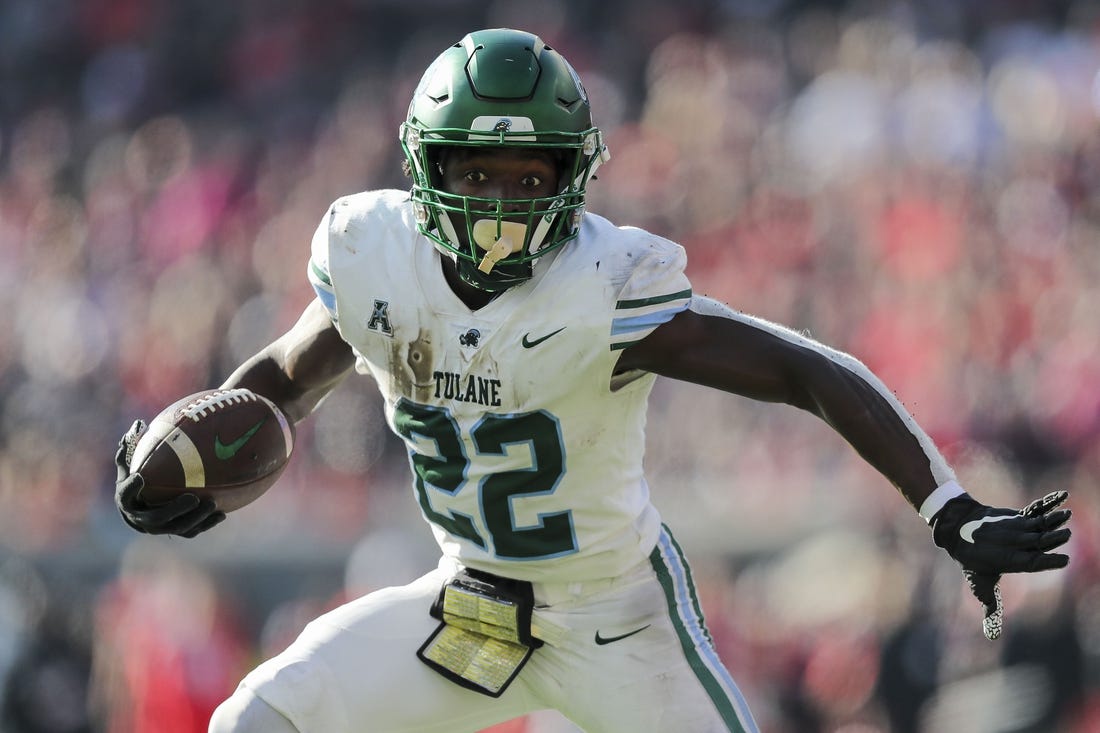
819 382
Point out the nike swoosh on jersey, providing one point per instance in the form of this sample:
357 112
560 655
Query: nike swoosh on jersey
967 530
527 344
601 640
226 451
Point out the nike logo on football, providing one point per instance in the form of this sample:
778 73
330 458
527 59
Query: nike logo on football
967 530
601 640
226 451
528 344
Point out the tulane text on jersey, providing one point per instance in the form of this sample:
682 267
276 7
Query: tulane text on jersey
469 388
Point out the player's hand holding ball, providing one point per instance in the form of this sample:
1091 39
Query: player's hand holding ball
186 515
210 453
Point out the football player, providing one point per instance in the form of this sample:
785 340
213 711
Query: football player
515 339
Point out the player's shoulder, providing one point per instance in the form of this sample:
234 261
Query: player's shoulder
628 244
628 275
371 229
624 251
386 209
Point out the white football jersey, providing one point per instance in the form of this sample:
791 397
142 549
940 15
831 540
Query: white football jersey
526 452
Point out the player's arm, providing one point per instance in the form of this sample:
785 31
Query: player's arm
300 367
295 371
718 348
712 345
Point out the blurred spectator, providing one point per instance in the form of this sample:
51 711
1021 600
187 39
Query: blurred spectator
45 676
169 647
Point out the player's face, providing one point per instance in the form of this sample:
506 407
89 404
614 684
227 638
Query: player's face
499 173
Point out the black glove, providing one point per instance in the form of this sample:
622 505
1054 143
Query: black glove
988 542
187 515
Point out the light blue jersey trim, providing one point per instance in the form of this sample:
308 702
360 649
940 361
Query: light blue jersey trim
322 285
637 317
620 326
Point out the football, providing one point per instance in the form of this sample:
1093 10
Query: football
227 445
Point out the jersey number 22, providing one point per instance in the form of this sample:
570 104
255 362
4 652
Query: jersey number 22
446 473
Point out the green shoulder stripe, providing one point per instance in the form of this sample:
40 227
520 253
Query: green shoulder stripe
656 299
321 274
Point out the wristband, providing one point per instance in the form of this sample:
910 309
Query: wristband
935 501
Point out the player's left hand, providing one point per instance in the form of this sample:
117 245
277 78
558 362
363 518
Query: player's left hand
988 541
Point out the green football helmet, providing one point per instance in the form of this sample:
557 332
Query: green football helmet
493 88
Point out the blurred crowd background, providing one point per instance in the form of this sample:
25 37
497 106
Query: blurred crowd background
918 184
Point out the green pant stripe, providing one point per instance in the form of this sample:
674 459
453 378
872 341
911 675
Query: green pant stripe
695 604
686 613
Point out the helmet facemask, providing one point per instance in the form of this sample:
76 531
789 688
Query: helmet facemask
500 89
500 238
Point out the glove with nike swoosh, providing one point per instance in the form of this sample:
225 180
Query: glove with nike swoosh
988 541
186 515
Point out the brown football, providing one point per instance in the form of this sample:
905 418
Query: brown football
228 445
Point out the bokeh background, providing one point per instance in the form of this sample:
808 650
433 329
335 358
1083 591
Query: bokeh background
917 183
